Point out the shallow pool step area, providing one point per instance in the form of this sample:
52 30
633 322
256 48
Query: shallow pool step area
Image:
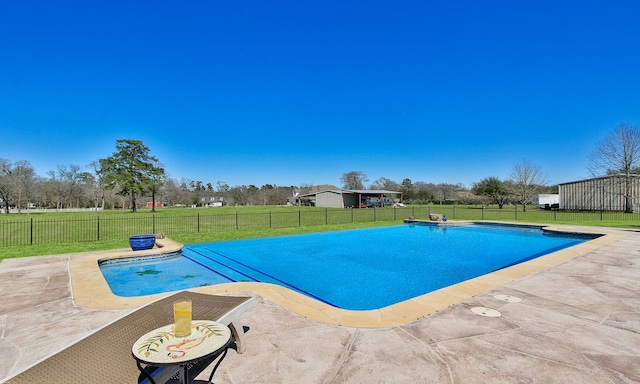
228 267
234 270
217 263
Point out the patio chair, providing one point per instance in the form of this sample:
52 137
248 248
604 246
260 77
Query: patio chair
105 355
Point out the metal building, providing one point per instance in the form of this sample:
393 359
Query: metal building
605 193
334 197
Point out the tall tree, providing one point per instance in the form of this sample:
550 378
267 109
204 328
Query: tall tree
173 194
353 180
422 192
99 186
493 188
131 169
157 179
222 186
69 179
526 179
90 188
15 181
407 190
385 184
444 192
55 189
619 154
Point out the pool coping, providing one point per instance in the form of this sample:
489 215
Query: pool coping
90 289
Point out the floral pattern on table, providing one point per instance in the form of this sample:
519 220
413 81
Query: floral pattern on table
162 346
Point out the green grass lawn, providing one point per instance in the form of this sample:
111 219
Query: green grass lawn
230 223
185 238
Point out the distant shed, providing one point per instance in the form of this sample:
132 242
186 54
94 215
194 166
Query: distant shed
344 198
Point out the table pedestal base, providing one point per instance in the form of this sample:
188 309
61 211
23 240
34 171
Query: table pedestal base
183 372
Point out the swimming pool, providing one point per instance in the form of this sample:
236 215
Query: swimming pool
356 269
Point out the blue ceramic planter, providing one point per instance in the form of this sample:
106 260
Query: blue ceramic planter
142 242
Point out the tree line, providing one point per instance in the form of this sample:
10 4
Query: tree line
128 179
525 182
131 178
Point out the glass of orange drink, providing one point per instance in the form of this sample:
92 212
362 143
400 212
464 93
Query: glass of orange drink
182 317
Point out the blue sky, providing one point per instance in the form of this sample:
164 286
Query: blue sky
296 92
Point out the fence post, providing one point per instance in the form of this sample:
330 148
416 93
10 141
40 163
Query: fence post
351 214
482 211
394 214
198 223
374 214
516 205
269 219
299 218
98 228
454 212
31 231
153 223
236 221
326 216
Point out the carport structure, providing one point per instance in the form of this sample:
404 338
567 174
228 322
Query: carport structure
345 198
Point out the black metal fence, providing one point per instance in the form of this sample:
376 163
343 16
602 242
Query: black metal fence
42 230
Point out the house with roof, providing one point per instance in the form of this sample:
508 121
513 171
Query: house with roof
211 201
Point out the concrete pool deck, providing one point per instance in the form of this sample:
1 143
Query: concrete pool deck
578 320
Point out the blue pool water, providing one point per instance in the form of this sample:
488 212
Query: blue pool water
356 269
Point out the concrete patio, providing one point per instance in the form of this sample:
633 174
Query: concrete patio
575 322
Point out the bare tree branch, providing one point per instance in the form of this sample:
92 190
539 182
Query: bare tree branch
526 179
619 154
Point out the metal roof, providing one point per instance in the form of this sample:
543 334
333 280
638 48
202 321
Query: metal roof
359 191
372 191
616 176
